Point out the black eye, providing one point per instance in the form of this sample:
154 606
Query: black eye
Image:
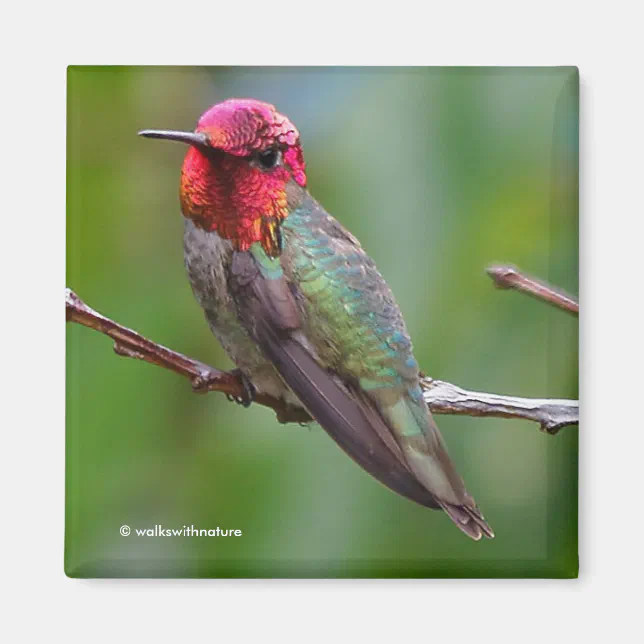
269 158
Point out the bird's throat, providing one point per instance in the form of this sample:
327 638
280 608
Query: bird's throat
237 201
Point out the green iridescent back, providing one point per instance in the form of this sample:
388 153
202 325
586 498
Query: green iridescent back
350 313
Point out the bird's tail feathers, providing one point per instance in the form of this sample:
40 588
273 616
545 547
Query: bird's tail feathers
426 455
468 519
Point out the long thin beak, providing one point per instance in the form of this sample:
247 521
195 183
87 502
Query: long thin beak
191 138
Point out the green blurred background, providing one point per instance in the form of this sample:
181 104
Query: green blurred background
439 172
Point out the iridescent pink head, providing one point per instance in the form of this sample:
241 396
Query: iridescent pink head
234 180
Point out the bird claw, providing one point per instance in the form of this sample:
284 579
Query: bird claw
202 383
249 391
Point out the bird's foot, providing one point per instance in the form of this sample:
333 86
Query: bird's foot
250 390
213 381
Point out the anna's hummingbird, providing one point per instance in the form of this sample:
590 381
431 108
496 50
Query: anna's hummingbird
301 308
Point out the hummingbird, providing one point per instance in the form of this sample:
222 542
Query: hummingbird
300 307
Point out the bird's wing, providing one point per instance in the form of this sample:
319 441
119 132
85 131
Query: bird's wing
268 310
355 326
383 428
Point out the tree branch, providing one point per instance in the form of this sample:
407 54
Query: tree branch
442 397
551 414
509 277
203 378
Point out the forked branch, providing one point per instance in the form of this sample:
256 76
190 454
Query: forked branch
442 397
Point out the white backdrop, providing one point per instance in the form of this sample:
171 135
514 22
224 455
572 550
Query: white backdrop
39 43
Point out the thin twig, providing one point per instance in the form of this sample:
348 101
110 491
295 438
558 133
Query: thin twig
509 277
442 397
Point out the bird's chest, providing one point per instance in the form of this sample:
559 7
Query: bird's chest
207 259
